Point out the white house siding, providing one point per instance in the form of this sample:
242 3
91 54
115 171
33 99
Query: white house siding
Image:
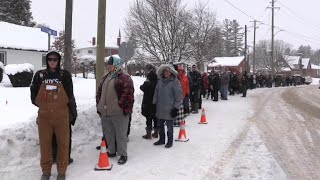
21 56
85 51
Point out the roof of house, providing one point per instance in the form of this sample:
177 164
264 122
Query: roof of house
292 60
305 62
316 67
226 61
23 38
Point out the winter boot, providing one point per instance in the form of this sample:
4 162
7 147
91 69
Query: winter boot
155 133
61 177
161 140
45 176
148 135
170 140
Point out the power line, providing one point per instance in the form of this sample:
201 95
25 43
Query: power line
240 10
296 15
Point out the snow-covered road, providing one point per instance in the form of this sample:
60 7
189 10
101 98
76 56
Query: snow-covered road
285 131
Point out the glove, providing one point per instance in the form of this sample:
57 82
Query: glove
73 121
174 112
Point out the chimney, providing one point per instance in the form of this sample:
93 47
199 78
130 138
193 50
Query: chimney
119 39
93 41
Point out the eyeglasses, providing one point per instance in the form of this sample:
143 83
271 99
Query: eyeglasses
53 59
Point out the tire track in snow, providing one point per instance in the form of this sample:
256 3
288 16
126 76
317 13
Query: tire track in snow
215 171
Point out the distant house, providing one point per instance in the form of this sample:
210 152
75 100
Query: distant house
20 44
297 65
91 49
315 71
234 64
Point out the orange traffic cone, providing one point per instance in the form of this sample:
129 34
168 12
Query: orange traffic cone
182 134
203 117
103 163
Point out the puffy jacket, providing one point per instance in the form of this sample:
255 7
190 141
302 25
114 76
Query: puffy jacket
184 81
125 91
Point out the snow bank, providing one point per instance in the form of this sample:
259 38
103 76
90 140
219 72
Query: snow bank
315 81
12 69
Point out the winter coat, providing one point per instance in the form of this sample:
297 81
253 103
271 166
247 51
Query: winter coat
244 80
125 91
184 81
205 81
196 80
59 76
148 108
225 79
168 93
215 82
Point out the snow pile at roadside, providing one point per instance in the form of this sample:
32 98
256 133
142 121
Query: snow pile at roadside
12 69
315 81
253 161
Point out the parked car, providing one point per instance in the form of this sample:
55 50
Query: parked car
308 80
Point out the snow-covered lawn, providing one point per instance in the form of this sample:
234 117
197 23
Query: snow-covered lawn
19 148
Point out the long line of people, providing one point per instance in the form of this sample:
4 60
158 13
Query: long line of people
169 92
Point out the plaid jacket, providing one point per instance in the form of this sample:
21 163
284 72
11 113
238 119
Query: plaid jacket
125 91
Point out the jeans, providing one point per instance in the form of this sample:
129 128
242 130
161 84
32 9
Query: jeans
151 119
224 91
169 124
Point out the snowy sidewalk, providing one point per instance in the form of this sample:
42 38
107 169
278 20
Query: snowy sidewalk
190 160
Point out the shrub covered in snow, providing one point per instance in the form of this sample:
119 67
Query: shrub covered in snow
1 71
20 75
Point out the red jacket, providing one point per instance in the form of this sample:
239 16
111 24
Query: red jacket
184 81
205 81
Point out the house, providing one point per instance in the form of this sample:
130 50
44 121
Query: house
315 71
234 64
91 49
20 44
297 65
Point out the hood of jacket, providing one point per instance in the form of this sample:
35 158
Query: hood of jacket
168 67
59 59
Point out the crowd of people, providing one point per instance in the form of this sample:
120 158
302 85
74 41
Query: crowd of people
171 93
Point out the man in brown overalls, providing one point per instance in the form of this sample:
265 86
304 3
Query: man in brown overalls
52 92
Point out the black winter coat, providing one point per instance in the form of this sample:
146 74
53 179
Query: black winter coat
60 76
148 87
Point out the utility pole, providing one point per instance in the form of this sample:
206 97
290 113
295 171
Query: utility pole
68 36
245 48
100 65
272 36
254 46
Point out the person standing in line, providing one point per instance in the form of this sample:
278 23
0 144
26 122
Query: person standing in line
148 109
168 99
52 91
115 98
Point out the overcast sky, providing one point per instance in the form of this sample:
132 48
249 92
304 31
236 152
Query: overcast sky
299 18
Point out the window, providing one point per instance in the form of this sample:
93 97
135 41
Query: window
3 57
44 62
90 51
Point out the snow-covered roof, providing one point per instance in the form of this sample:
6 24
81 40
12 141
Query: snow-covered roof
292 60
21 37
12 69
226 61
285 69
316 67
305 62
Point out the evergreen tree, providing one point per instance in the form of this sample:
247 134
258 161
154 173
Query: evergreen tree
16 12
236 39
59 45
227 37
